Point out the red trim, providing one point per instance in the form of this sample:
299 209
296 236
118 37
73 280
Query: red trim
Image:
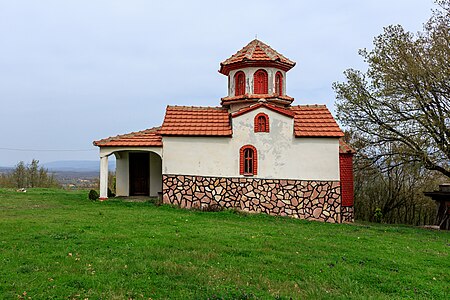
346 176
239 83
260 82
103 199
279 83
274 108
261 122
253 160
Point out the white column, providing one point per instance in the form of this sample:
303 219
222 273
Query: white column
104 178
122 175
155 174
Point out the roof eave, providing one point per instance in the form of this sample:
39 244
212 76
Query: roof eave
267 106
226 68
130 146
337 136
255 98
196 135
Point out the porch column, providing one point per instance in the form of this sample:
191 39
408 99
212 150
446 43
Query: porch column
103 178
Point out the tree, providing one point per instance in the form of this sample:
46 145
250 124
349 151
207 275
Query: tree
43 176
391 190
33 173
400 107
20 175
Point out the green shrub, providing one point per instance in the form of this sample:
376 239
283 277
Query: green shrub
93 195
110 193
378 215
213 207
157 201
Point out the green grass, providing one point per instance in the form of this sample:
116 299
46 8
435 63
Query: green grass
56 244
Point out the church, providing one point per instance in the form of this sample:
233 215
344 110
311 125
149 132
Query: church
256 152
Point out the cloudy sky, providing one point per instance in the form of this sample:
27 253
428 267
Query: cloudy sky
74 71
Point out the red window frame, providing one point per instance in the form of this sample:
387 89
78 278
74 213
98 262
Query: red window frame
261 123
239 83
279 84
260 82
248 162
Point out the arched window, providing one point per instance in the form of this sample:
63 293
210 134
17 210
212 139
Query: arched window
279 84
261 123
260 82
248 160
239 83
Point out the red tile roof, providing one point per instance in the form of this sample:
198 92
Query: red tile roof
274 108
196 121
145 138
345 148
314 121
256 51
309 121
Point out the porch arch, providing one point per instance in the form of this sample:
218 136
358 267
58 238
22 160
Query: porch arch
124 179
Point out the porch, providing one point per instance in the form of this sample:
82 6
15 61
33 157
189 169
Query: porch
138 171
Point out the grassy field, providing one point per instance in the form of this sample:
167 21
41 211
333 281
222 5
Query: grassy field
58 245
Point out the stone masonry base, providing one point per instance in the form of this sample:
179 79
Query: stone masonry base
312 200
347 214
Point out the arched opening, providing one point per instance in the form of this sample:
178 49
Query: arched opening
138 172
260 82
248 160
261 123
239 83
279 84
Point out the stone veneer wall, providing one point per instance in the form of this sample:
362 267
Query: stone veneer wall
312 200
347 214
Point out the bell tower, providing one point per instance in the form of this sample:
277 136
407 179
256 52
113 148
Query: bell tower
256 72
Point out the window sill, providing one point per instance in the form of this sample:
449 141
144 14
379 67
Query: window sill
248 174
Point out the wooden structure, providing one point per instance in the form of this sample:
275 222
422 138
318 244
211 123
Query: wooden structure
442 197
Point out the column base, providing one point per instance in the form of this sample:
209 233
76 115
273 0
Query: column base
103 199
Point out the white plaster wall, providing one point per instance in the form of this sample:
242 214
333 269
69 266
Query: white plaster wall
249 80
155 174
280 154
122 174
208 156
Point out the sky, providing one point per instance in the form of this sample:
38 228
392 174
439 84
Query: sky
75 71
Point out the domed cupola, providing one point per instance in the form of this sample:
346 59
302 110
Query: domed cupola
256 72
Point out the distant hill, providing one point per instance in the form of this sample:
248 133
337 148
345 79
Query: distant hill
77 165
5 169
